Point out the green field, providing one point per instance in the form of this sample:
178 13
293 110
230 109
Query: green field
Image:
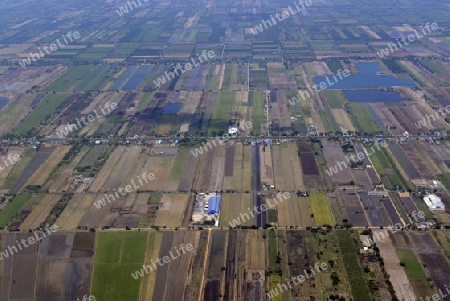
413 268
258 111
273 265
7 214
334 99
38 115
177 169
118 255
398 179
444 180
143 102
362 119
67 80
19 168
379 161
334 66
94 79
221 114
274 281
382 161
355 274
321 209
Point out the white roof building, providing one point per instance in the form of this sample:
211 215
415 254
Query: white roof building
434 202
232 130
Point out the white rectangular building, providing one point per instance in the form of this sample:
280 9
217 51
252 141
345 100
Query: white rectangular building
434 202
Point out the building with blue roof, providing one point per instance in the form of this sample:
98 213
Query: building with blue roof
214 204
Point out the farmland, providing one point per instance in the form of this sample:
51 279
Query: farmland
320 209
122 253
167 102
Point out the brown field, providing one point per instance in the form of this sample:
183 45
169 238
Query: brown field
432 166
100 100
266 165
178 273
241 100
106 170
160 165
362 179
61 180
16 110
96 217
355 212
40 213
280 81
246 169
128 210
287 168
256 255
398 278
124 166
47 167
294 212
203 174
217 169
231 206
440 153
342 119
171 210
229 166
11 151
45 271
320 68
22 266
429 253
172 279
235 273
283 115
405 118
334 155
386 117
75 210
188 173
56 267
148 281
190 100
419 160
161 272
39 157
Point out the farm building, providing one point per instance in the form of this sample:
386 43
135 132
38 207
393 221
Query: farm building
434 202
214 204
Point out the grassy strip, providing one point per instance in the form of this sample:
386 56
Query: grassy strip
444 180
221 114
400 178
355 273
273 253
258 111
379 161
178 166
143 102
409 260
